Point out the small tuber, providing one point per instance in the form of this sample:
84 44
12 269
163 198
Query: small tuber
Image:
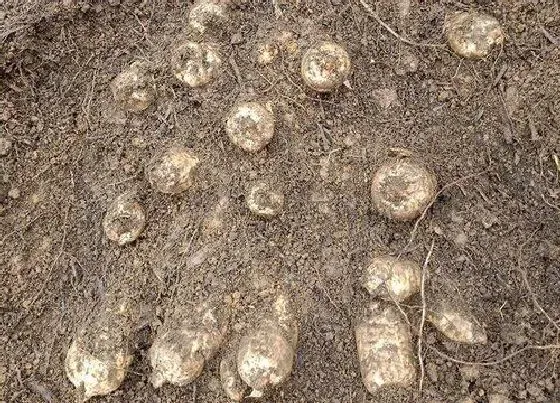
325 66
172 171
402 188
125 219
472 35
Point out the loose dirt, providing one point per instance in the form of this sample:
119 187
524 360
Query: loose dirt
489 129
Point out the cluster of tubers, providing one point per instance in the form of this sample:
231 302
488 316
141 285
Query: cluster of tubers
402 189
384 341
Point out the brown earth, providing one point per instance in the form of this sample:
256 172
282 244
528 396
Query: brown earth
490 130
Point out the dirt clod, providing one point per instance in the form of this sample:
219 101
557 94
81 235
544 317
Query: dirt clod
125 220
207 13
5 146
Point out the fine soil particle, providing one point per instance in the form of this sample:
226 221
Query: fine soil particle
489 128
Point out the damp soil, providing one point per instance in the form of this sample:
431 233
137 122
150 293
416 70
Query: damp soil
489 130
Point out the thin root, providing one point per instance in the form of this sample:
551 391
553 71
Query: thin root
501 360
376 17
423 215
423 320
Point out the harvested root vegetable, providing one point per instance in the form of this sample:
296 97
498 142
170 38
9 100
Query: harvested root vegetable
206 13
264 201
456 325
325 66
97 370
473 35
133 89
178 355
266 355
384 349
401 189
392 278
196 64
250 125
172 171
125 219
99 356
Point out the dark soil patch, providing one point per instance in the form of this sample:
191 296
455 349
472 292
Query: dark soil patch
495 122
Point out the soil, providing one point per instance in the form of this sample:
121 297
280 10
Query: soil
489 129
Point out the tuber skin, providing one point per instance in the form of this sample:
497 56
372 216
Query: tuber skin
196 64
384 348
264 201
100 354
402 188
325 66
456 324
392 278
178 354
473 35
125 219
172 171
133 88
250 126
266 355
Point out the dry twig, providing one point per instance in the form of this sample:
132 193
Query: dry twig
423 320
501 360
523 273
376 17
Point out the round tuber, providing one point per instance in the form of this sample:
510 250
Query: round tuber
133 88
402 189
97 372
125 220
325 66
472 35
172 171
250 125
264 201
384 349
178 355
205 13
392 278
196 64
